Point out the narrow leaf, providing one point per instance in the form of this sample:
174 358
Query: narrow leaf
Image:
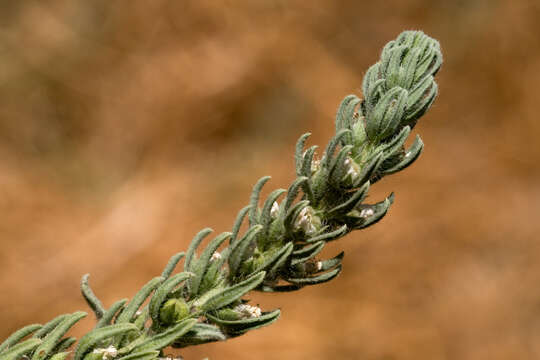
166 338
233 293
129 311
162 292
91 298
50 341
172 264
92 339
194 245
110 313
254 200
19 335
20 349
317 279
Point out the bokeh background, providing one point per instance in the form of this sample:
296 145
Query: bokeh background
127 126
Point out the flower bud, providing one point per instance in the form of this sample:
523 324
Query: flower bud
173 311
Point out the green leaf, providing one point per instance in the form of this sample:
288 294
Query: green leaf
200 334
298 154
254 200
91 298
64 344
162 292
378 211
193 246
141 355
385 118
238 249
60 356
308 161
329 236
271 260
204 261
50 341
19 335
307 253
331 263
166 338
48 327
92 339
110 313
357 197
20 349
265 214
241 326
292 192
129 311
325 277
331 147
233 293
238 223
172 264
345 116
410 156
338 169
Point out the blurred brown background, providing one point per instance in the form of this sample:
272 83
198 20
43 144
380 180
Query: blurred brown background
127 126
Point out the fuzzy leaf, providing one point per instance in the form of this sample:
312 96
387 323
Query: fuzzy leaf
239 327
329 236
162 292
110 313
317 279
48 327
238 223
298 154
89 341
200 334
19 335
166 338
22 348
410 156
141 355
254 200
233 293
331 263
169 268
193 246
129 311
91 298
307 252
50 341
204 261
238 249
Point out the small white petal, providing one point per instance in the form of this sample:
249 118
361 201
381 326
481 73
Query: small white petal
215 256
274 210
366 212
248 310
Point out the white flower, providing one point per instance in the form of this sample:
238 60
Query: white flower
248 310
366 212
274 210
352 168
304 221
215 256
107 353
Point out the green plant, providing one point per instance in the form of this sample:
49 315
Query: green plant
278 251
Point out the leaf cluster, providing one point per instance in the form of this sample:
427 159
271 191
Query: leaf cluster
279 250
